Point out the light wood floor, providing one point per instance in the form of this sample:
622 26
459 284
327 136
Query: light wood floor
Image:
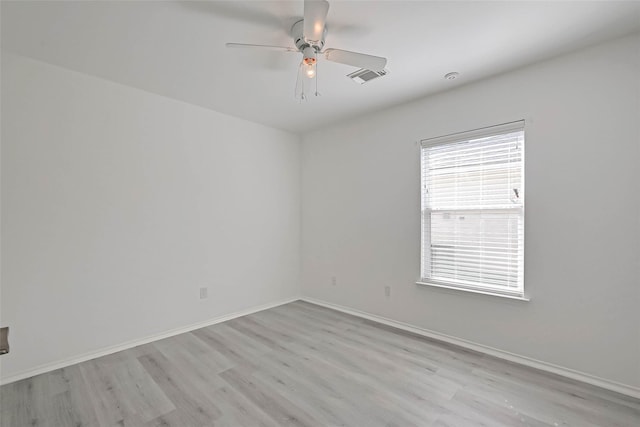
304 365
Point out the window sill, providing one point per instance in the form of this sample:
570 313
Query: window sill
474 291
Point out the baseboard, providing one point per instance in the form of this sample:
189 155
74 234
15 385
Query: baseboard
134 343
625 389
617 387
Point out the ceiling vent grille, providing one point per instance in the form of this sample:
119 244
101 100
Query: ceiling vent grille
362 76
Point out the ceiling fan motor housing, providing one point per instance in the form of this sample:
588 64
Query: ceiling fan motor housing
305 46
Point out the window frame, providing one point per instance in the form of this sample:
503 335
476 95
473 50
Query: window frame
454 138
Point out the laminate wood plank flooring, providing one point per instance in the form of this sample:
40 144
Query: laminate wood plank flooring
303 365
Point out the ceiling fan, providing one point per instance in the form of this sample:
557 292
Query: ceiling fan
308 36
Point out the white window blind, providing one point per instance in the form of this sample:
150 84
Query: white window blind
473 210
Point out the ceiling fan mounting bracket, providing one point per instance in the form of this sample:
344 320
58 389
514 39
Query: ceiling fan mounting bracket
301 43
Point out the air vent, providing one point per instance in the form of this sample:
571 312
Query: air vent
362 76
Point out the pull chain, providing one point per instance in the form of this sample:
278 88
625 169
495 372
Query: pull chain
317 74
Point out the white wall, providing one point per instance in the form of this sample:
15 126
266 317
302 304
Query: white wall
361 212
118 205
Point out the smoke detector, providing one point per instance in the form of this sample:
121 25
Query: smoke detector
362 75
451 76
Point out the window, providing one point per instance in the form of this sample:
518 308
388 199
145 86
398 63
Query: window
473 210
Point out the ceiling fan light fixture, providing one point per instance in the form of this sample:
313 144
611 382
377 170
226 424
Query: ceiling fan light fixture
309 55
309 70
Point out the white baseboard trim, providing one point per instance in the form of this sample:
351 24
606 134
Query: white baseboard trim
47 367
617 387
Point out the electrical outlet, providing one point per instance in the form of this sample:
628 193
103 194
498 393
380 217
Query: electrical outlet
334 280
204 293
387 291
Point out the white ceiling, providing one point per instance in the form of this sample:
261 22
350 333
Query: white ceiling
176 49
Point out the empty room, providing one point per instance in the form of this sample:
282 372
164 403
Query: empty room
313 213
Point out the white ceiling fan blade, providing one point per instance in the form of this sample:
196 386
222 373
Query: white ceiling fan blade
262 46
360 60
315 14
